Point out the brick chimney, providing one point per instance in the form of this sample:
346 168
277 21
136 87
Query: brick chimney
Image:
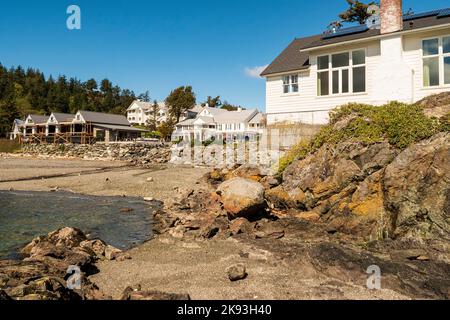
391 16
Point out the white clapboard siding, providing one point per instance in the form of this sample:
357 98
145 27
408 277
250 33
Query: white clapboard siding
306 106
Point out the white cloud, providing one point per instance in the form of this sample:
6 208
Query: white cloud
255 71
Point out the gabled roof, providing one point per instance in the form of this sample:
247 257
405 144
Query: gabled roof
207 120
257 118
295 57
291 59
105 118
214 111
145 105
187 122
236 116
63 117
38 119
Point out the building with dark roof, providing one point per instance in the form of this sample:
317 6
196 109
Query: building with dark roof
394 57
84 127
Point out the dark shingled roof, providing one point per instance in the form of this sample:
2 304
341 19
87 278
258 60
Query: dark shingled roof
291 59
63 117
104 118
38 119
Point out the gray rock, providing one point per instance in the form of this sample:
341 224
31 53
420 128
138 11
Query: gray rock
237 272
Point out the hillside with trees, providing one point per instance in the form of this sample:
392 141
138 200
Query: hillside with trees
28 91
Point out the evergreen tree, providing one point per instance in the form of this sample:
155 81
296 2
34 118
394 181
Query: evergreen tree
179 101
152 122
28 91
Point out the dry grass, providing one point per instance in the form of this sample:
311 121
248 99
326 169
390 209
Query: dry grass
9 146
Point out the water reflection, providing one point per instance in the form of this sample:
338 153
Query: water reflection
121 222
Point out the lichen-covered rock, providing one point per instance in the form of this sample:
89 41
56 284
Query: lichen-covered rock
241 197
372 191
250 172
417 189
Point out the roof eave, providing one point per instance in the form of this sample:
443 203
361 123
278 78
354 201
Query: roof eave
272 74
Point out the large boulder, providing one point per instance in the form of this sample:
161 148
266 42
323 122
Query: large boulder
241 197
417 189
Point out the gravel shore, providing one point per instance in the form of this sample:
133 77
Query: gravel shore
100 178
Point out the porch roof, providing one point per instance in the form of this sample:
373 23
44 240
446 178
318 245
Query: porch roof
118 127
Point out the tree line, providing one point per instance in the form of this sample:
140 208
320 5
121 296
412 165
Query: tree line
28 91
24 92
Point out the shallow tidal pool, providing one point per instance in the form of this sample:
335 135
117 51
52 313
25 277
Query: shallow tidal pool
120 221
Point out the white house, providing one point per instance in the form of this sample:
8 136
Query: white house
140 112
395 57
58 123
17 129
220 124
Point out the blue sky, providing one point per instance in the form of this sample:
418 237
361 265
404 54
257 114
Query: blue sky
159 45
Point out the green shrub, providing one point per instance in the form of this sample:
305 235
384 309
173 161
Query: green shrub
398 123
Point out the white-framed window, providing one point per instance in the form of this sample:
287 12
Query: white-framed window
436 61
341 73
290 83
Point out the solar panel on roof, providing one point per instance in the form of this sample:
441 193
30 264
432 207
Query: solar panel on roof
444 13
346 32
421 15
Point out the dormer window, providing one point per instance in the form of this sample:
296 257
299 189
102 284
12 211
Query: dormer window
290 83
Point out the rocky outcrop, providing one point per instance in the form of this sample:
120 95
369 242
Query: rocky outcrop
373 191
136 153
43 274
417 190
241 197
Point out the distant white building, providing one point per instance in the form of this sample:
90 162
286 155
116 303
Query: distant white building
140 112
17 129
206 123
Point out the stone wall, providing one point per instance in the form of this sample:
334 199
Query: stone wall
138 153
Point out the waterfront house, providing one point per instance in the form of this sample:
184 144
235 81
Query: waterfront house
34 125
59 123
104 126
219 124
84 127
394 57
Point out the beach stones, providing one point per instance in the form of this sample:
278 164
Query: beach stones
138 294
237 272
112 253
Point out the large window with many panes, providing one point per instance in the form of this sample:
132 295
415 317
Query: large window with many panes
436 61
341 73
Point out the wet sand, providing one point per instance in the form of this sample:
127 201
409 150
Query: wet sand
100 178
